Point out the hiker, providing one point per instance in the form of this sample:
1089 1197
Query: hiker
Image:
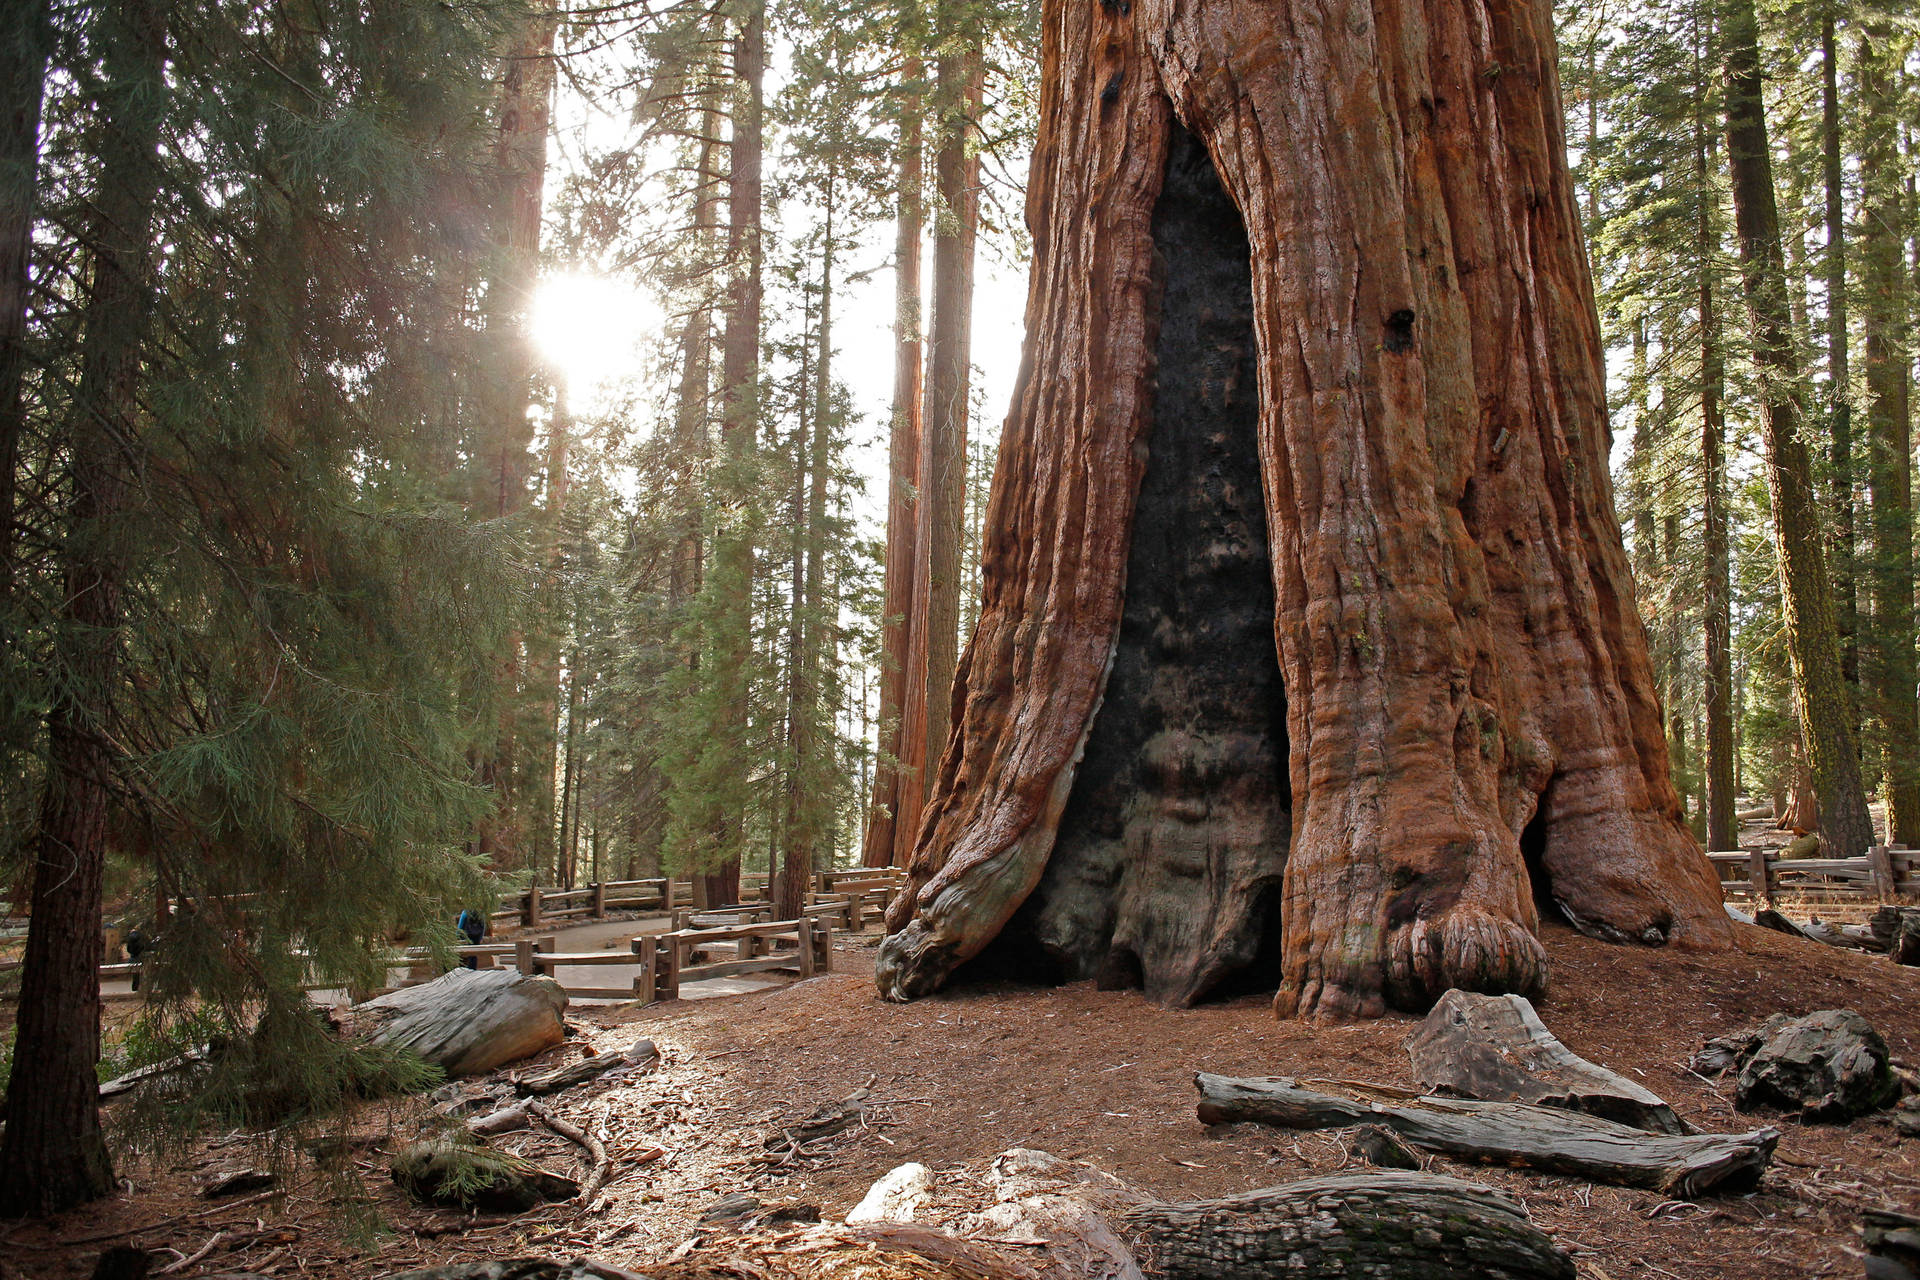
137 944
474 926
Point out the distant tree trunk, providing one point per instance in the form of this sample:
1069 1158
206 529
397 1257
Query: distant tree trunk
506 447
940 518
52 1155
1839 403
23 73
1722 827
887 842
1674 694
1824 702
805 816
1886 297
740 427
1365 376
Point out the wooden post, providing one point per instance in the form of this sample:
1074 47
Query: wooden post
806 947
530 913
523 954
646 985
1758 877
599 900
823 947
1880 866
669 967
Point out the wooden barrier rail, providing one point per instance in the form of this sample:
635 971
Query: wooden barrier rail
1881 875
676 955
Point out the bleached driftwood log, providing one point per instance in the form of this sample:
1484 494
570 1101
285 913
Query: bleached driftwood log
469 1020
1496 1049
1504 1133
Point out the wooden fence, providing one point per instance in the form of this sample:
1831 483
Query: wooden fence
1882 875
849 899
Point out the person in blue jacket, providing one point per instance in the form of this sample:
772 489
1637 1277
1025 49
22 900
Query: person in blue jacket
474 926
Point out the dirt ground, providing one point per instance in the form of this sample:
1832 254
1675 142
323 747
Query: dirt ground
1099 1076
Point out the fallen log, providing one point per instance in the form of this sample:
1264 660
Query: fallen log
1407 1225
1768 918
1541 1138
1496 1049
588 1068
469 1020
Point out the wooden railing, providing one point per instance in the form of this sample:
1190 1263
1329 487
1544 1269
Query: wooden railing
1881 875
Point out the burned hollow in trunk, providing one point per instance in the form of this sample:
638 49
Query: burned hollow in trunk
1167 869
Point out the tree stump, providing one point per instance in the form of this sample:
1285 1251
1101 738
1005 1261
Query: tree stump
1496 1049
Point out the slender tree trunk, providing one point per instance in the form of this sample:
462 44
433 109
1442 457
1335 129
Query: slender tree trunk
1368 306
23 73
806 814
886 844
52 1155
1674 687
1886 299
1839 402
940 521
740 388
1824 702
1722 831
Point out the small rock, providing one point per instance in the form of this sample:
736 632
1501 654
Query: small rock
1831 1065
1381 1148
894 1198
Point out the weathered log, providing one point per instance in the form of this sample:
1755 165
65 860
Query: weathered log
469 1020
1892 1241
1806 846
1830 1065
1541 1138
1898 929
1496 1049
503 1120
1410 1226
1768 918
585 1069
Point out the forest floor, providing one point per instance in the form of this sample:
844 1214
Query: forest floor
1098 1076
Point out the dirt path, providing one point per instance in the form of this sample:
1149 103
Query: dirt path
1106 1077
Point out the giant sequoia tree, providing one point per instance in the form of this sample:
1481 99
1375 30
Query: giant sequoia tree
1310 331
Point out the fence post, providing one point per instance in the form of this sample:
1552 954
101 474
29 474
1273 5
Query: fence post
806 948
669 968
1880 868
523 954
599 900
1758 876
823 945
530 913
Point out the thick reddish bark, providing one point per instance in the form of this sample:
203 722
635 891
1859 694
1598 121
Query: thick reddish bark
1470 715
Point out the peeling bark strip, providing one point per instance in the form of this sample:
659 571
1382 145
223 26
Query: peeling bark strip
1460 656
